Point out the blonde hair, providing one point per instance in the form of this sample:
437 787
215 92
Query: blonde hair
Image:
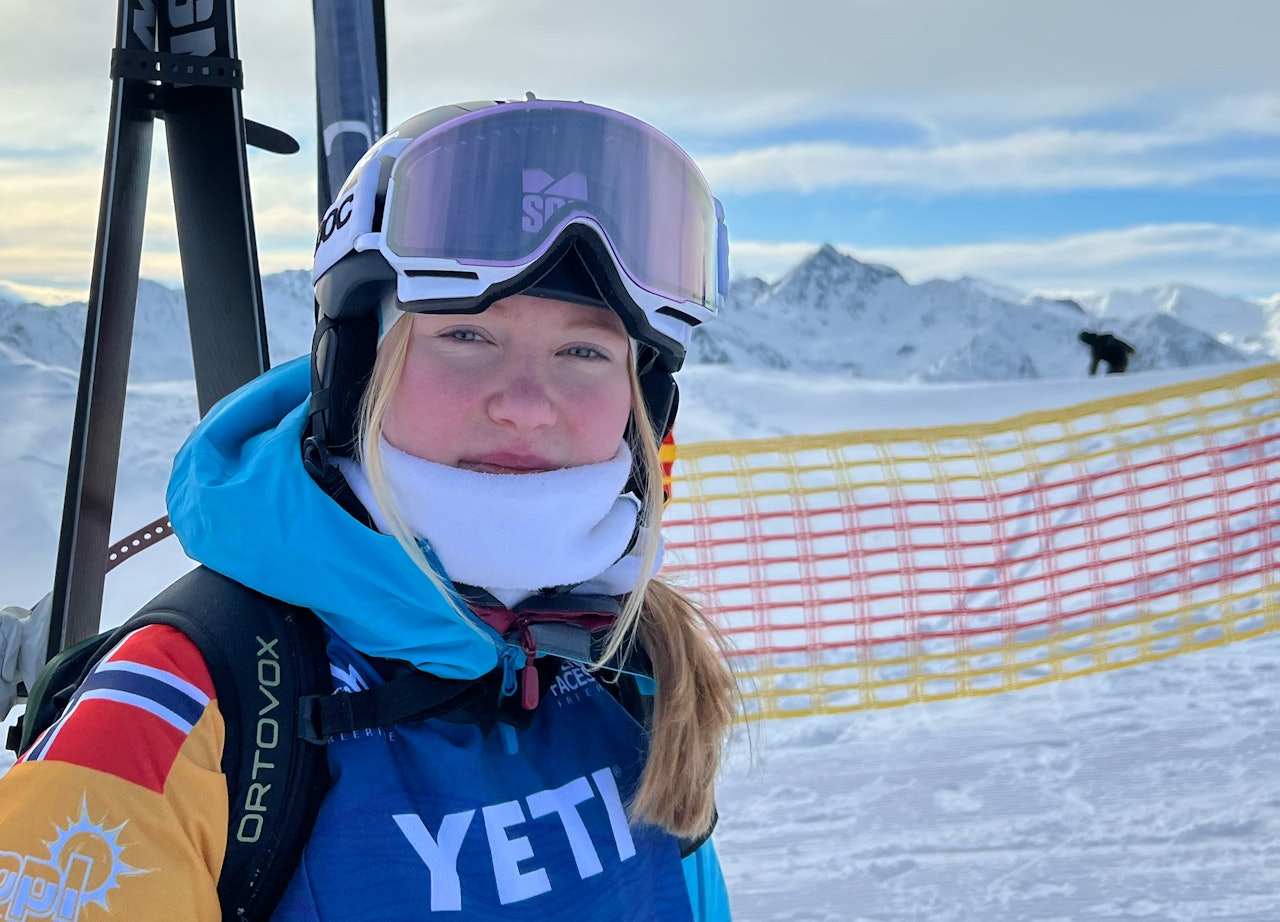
695 700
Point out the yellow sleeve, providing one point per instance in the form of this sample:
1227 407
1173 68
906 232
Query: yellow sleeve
119 810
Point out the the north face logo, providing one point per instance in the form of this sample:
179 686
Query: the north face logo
544 195
572 684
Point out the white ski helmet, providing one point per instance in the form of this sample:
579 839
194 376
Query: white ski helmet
463 205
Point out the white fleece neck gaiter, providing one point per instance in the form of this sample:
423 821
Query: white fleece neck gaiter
513 534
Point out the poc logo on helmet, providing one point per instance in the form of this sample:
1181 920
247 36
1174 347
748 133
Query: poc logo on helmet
334 218
544 195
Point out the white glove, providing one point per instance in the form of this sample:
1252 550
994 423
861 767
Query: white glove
24 641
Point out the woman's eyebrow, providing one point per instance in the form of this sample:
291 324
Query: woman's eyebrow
595 323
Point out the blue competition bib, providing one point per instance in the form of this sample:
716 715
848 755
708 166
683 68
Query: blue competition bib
446 819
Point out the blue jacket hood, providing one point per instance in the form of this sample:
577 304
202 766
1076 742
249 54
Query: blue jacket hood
242 503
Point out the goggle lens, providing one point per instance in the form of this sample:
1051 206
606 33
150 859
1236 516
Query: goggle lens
496 187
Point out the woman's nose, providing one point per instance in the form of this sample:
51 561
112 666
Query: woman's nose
523 397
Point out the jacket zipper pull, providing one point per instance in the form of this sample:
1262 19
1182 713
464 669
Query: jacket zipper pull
510 671
529 690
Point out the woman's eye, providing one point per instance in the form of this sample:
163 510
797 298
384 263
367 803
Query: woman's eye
585 352
464 336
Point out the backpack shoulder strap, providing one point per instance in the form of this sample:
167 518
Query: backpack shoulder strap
263 656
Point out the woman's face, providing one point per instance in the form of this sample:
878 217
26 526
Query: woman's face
530 384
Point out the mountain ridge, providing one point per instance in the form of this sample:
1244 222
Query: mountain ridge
830 313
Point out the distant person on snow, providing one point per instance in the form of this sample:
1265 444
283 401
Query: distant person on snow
1107 348
463 484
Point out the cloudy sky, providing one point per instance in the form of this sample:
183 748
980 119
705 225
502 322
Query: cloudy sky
1042 145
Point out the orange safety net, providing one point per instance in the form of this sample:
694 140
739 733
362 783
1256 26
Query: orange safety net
873 569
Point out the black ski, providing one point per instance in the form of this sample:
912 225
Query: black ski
351 88
205 130
180 64
104 363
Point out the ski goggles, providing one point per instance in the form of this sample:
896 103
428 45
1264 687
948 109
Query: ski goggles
476 201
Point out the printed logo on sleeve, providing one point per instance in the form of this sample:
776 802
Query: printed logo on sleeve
84 864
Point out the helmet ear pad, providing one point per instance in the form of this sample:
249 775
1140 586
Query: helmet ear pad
342 356
661 396
345 345
662 400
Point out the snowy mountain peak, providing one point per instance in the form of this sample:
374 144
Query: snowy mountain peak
829 280
828 261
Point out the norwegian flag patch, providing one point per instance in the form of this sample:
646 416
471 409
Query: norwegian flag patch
134 711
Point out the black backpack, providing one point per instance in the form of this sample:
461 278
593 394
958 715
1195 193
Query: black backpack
270 670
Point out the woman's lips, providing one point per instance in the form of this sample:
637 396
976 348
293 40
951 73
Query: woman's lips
503 463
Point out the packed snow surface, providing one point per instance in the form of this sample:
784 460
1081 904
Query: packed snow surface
1152 792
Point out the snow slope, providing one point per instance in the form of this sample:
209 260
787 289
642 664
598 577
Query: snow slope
1148 793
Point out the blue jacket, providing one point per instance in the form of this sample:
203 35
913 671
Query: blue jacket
493 823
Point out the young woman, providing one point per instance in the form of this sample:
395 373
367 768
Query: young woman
464 484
